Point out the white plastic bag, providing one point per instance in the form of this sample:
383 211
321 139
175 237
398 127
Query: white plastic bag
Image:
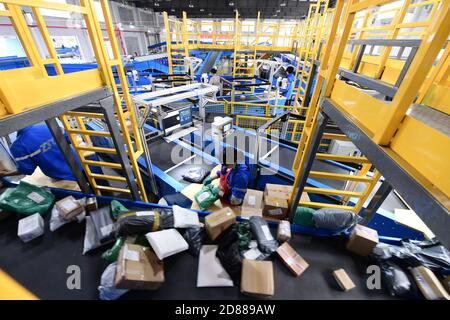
184 218
106 289
56 221
91 240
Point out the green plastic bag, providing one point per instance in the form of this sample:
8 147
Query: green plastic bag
112 254
304 217
243 230
117 208
27 199
207 196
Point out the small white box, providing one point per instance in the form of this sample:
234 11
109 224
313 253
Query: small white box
31 227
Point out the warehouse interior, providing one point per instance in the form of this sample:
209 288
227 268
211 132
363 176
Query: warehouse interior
224 150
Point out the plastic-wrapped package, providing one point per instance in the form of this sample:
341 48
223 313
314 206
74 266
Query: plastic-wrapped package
397 282
117 208
31 227
56 221
107 291
195 175
91 240
185 218
166 220
334 219
26 199
135 223
229 255
304 217
194 237
206 196
261 231
243 230
104 225
253 252
112 254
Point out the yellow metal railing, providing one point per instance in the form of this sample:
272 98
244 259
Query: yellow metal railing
31 87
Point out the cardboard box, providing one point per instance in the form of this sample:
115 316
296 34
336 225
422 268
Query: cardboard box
253 199
343 280
257 278
69 207
91 204
429 284
247 212
217 222
276 208
284 231
362 240
292 259
278 191
138 268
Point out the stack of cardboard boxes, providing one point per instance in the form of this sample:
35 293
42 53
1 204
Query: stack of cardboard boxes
276 198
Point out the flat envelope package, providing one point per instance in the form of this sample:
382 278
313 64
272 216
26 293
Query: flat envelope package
185 218
429 284
69 207
167 242
210 271
253 199
217 222
292 259
257 278
276 208
103 223
362 240
138 268
31 227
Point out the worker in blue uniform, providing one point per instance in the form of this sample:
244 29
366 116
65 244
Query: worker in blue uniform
290 80
36 147
234 176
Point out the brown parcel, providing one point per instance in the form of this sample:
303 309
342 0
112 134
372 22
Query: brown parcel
343 280
429 284
284 231
257 278
253 199
277 191
275 207
292 259
362 240
138 268
69 207
247 212
219 221
91 204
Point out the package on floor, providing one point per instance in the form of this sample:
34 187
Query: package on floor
69 207
247 212
138 268
362 240
284 231
31 227
167 242
292 259
343 280
429 284
257 278
219 221
103 223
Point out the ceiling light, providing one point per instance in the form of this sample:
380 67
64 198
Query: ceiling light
283 4
278 10
156 4
210 14
201 10
173 10
231 3
190 4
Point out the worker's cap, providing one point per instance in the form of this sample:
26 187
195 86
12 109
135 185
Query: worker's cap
230 155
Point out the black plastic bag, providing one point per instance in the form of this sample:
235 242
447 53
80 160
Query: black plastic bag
261 232
103 223
166 219
334 219
136 223
195 175
398 282
430 254
194 237
229 255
